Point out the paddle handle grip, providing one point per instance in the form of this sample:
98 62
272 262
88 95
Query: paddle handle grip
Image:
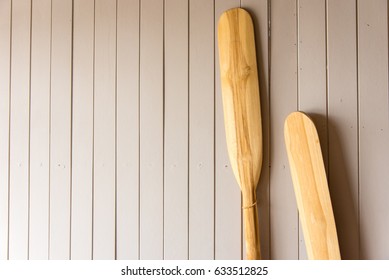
250 219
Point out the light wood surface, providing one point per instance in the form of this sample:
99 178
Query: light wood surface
311 188
239 79
260 16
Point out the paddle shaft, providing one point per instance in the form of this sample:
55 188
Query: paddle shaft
251 227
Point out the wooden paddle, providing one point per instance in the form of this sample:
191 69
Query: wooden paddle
242 113
311 189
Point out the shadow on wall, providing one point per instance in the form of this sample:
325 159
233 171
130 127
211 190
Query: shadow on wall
343 190
344 196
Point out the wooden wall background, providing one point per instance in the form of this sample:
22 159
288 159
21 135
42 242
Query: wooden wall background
111 127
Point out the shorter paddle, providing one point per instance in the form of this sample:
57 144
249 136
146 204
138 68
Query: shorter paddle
311 188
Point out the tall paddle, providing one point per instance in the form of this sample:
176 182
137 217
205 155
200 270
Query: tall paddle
311 189
242 113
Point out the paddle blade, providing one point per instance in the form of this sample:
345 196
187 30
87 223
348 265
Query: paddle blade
311 188
240 92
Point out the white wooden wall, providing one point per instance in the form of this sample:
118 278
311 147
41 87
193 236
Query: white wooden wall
112 137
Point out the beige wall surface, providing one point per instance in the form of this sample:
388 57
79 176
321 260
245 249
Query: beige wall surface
112 142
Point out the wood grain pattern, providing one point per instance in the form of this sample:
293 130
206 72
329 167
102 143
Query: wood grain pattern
259 10
238 68
311 188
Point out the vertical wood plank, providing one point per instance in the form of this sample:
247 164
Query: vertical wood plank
128 130
5 53
373 128
283 100
312 88
19 130
201 130
40 130
312 66
104 230
259 13
82 130
151 129
176 130
60 142
228 222
343 123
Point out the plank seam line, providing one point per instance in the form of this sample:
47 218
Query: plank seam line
29 141
93 129
358 125
188 130
116 128
139 166
9 128
71 133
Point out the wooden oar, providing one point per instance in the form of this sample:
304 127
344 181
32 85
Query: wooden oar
242 113
311 188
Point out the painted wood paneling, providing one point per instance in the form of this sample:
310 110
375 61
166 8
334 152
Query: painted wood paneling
19 169
176 130
82 129
127 141
104 180
112 142
60 129
312 96
151 129
201 130
5 63
283 100
40 130
343 122
373 128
